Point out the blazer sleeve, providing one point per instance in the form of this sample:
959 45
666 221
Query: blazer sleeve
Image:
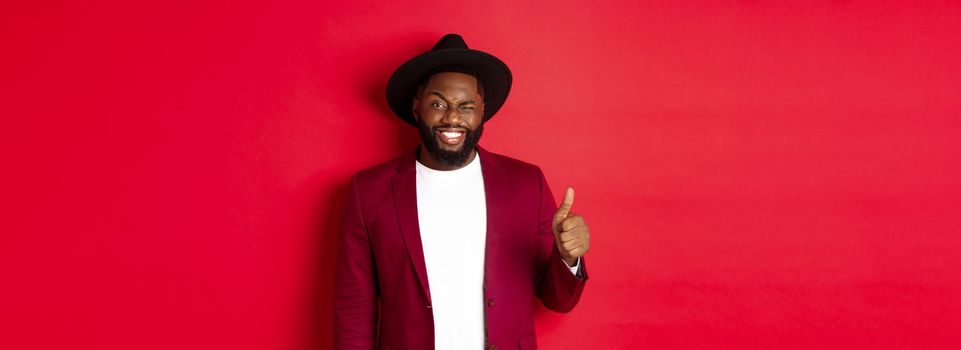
355 286
557 287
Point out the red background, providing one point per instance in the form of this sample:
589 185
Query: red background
756 174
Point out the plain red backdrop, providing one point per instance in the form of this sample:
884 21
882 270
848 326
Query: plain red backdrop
756 174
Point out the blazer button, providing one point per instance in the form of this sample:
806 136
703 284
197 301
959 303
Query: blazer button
428 306
490 302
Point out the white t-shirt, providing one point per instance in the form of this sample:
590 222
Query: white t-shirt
452 213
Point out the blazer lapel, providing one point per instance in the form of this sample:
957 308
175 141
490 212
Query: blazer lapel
496 195
404 186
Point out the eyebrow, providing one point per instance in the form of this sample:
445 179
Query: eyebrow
447 99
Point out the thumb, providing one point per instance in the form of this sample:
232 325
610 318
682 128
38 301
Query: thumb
565 207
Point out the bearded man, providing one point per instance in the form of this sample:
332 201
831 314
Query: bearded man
447 247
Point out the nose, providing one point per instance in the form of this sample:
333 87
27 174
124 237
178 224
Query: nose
452 117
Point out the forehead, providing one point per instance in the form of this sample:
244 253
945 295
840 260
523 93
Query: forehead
453 82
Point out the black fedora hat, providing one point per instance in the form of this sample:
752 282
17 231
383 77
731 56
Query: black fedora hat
449 54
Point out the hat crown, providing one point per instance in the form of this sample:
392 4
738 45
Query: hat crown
450 41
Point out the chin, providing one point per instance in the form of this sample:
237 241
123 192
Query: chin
449 148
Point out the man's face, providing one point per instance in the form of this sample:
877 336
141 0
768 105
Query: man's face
450 113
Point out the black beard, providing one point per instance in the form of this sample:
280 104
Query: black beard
444 157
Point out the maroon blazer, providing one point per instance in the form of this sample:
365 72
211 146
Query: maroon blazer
382 296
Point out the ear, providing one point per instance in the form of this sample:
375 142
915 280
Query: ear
413 105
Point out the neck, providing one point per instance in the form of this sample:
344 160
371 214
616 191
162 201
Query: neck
428 160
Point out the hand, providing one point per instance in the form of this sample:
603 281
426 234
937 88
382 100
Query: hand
571 234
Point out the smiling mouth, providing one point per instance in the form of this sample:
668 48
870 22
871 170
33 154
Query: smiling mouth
451 136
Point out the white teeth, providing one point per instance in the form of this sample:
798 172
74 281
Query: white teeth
452 134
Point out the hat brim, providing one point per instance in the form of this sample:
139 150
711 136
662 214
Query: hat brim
490 70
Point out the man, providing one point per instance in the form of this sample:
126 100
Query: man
446 248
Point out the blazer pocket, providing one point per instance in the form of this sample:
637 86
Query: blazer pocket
528 342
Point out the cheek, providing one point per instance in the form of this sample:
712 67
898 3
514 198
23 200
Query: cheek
430 115
476 118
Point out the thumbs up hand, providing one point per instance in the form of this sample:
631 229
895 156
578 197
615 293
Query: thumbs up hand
571 234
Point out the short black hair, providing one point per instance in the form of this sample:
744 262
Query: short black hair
450 69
